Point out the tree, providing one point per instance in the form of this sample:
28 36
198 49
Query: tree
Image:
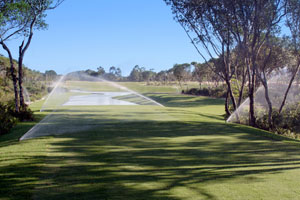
51 75
272 58
136 73
181 72
101 71
35 14
200 72
118 73
223 27
91 72
209 22
257 22
114 73
19 18
162 77
147 75
12 22
293 23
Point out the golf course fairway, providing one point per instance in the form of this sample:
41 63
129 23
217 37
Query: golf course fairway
181 151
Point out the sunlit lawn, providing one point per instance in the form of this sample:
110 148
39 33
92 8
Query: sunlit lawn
182 151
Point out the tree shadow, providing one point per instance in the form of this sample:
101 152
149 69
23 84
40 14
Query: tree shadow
145 158
158 160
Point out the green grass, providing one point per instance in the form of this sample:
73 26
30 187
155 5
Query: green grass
91 86
142 87
182 151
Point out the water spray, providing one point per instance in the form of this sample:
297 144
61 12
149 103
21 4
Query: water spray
53 90
77 94
277 83
131 91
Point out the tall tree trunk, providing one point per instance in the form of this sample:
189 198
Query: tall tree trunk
228 113
22 50
20 62
13 75
289 87
241 92
270 108
231 93
252 120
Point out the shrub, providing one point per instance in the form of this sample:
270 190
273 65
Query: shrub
218 92
286 123
24 114
7 120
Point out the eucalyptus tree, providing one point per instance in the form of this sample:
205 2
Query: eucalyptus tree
208 25
35 14
136 73
19 19
293 23
162 77
12 23
273 57
101 71
258 22
200 72
148 75
181 72
222 26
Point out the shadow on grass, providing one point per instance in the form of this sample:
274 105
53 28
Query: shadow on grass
145 159
150 160
13 136
19 180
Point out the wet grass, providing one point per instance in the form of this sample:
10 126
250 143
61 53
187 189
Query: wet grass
182 151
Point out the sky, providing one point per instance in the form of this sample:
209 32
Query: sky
122 33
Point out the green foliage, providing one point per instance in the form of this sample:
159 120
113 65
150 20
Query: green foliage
7 118
286 123
24 115
182 72
136 73
217 92
35 82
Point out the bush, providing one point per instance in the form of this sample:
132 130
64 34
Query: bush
9 117
286 123
218 92
24 115
7 120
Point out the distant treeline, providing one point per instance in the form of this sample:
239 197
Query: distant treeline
180 73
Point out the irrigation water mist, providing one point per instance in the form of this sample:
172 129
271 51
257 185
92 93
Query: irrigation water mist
54 90
26 96
79 102
131 91
277 85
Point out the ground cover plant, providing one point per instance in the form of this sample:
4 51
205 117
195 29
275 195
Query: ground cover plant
184 150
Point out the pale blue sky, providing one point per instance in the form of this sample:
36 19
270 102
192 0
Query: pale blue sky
122 33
